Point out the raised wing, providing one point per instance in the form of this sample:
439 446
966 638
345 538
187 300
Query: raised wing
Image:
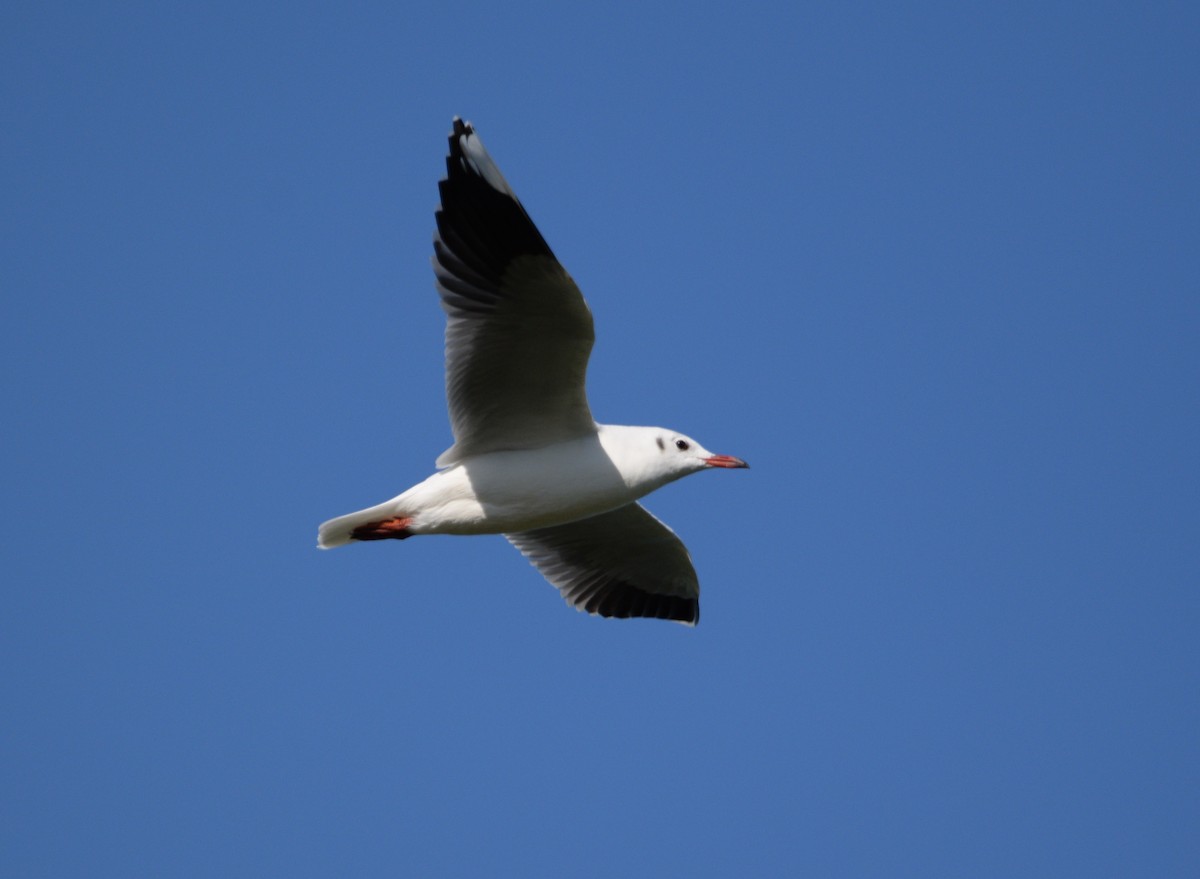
518 333
623 563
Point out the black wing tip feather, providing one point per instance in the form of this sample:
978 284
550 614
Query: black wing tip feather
458 129
484 226
625 601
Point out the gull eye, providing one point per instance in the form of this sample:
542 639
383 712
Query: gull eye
681 445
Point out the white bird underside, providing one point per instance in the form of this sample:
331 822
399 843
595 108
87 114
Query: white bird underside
528 459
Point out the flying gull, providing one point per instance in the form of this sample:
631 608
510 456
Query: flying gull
528 459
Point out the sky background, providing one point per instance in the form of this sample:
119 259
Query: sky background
932 270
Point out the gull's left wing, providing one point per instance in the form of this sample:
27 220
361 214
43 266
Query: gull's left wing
623 563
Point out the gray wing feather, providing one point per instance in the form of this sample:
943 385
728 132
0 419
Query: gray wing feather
623 563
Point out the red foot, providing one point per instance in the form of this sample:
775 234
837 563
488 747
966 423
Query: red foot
396 528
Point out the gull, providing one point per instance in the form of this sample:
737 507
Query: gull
528 460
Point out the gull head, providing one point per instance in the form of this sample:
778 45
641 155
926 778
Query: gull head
657 455
684 453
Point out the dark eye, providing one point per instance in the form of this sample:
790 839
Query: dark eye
681 445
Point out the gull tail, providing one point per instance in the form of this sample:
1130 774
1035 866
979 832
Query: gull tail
373 523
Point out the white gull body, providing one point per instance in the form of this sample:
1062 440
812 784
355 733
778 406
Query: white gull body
528 460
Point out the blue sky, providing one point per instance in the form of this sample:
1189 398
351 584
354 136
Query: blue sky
932 270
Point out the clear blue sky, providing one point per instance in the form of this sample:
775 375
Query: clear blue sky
932 270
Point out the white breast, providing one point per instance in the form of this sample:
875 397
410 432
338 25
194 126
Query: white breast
505 492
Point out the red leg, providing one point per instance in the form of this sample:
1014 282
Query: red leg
396 529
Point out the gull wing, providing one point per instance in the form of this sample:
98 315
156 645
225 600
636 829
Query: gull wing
623 563
518 331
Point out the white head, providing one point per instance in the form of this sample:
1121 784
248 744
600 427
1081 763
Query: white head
655 455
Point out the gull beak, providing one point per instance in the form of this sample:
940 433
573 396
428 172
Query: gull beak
724 461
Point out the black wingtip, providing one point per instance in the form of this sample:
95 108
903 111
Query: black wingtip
458 130
625 601
480 220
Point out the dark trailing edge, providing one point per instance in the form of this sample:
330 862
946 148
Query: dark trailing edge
622 600
622 563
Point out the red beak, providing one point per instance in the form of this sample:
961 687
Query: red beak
725 461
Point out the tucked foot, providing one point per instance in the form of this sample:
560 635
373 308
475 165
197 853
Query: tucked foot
396 529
